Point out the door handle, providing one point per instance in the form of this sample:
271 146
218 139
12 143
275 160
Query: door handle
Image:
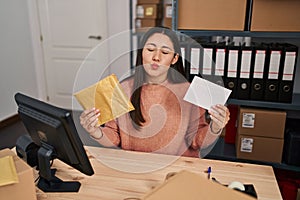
95 37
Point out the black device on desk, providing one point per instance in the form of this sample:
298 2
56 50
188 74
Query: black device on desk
247 188
53 131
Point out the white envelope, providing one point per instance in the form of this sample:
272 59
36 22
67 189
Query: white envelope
206 94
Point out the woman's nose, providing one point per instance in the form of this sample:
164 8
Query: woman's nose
156 56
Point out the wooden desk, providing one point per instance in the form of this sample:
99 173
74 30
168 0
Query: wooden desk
114 177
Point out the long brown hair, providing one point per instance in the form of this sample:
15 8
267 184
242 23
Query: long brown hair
139 75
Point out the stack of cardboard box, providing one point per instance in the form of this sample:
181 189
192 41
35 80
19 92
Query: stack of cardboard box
260 134
148 14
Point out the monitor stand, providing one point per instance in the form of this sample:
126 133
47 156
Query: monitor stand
48 182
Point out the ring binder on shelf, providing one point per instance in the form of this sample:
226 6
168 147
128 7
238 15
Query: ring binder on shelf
195 53
272 76
219 59
244 81
287 73
231 68
207 61
260 58
185 58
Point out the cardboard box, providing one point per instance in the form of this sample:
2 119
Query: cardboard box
261 122
149 11
140 24
167 23
212 15
275 15
25 189
259 148
189 185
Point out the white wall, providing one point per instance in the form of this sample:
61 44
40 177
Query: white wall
119 36
18 72
16 57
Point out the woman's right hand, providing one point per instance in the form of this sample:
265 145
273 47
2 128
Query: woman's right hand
89 121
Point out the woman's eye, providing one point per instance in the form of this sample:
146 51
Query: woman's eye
149 49
165 50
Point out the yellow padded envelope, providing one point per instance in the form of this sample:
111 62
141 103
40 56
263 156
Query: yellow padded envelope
8 174
106 95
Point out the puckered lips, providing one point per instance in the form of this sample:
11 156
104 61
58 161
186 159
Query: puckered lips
154 66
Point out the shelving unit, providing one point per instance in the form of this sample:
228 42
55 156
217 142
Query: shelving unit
227 151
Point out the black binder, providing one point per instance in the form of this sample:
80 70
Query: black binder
244 81
185 58
219 58
272 75
260 61
194 58
287 75
207 61
231 68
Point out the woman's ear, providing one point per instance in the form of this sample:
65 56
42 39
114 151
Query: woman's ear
175 59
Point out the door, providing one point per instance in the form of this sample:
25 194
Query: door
71 30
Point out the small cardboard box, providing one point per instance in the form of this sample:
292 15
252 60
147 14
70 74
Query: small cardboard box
189 185
261 122
275 15
259 148
140 24
212 15
149 11
25 188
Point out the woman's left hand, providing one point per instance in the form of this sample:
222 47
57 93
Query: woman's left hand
220 116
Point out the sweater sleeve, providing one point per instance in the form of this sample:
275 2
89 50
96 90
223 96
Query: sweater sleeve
199 133
111 134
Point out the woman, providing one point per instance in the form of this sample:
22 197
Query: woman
162 121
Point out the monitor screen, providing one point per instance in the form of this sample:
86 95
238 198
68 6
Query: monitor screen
53 131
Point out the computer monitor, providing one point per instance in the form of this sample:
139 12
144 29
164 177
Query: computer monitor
53 131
